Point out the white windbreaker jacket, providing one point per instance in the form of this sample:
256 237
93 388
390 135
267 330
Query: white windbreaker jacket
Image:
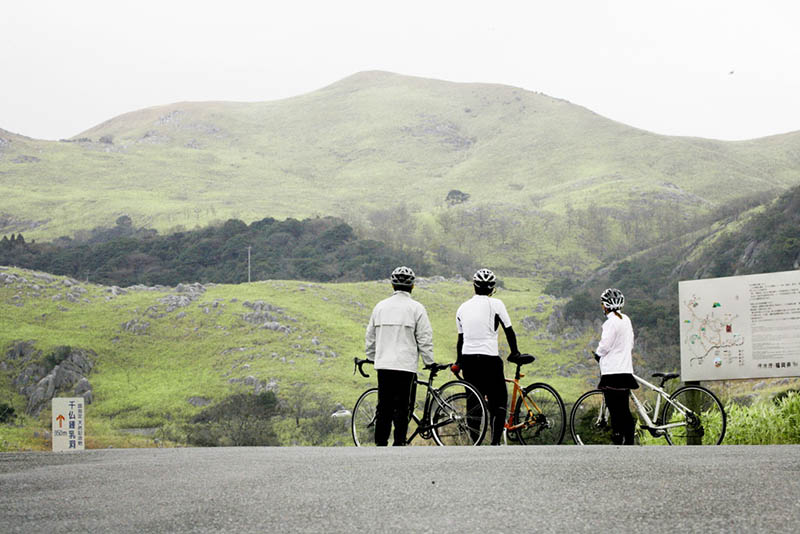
398 333
616 345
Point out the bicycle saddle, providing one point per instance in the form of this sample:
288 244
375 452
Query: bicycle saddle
666 376
521 359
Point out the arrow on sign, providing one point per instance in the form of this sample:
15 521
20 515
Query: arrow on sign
60 420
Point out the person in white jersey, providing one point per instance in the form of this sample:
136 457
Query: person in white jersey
478 355
614 354
398 333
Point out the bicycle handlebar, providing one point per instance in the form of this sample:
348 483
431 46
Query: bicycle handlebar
359 364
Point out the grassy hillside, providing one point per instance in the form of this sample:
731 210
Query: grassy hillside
153 356
762 239
383 151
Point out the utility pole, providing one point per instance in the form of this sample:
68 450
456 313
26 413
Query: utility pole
248 263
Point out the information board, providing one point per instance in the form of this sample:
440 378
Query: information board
68 423
740 326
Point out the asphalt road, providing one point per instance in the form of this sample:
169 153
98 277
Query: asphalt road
415 489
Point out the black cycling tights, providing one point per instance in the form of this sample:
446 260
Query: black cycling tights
395 389
622 424
486 374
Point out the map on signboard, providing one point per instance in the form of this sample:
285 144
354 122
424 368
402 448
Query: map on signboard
740 326
711 332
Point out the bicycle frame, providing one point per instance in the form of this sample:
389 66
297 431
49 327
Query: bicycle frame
662 394
432 395
516 397
652 425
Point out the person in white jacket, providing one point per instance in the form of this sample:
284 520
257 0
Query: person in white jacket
615 355
398 333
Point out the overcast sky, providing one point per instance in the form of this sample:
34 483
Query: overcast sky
723 69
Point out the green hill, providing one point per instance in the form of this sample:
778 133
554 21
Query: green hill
545 179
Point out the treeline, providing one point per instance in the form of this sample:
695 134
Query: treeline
767 241
467 232
320 249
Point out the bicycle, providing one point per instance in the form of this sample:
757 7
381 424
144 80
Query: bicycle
453 414
537 415
692 415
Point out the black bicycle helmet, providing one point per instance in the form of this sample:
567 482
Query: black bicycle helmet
612 299
403 276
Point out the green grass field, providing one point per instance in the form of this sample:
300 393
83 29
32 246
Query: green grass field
144 380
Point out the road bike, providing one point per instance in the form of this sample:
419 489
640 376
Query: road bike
692 415
452 414
536 415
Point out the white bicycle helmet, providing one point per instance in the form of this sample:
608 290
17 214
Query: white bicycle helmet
484 278
612 299
403 276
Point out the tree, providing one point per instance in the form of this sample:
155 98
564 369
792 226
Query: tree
233 227
454 197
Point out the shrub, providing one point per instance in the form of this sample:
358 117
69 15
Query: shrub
456 197
58 355
243 419
6 413
581 306
765 423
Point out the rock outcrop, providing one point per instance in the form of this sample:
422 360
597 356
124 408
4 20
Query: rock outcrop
62 372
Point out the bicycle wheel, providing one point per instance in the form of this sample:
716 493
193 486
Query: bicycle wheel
703 424
362 423
542 413
459 415
589 421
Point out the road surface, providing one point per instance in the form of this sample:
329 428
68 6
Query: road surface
414 489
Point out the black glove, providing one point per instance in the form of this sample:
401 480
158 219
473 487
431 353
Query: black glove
596 357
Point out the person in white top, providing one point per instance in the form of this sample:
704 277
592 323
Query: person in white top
614 353
478 355
398 333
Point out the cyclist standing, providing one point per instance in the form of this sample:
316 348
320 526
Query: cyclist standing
614 353
397 334
477 321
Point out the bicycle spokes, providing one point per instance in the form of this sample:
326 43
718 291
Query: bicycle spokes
539 419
